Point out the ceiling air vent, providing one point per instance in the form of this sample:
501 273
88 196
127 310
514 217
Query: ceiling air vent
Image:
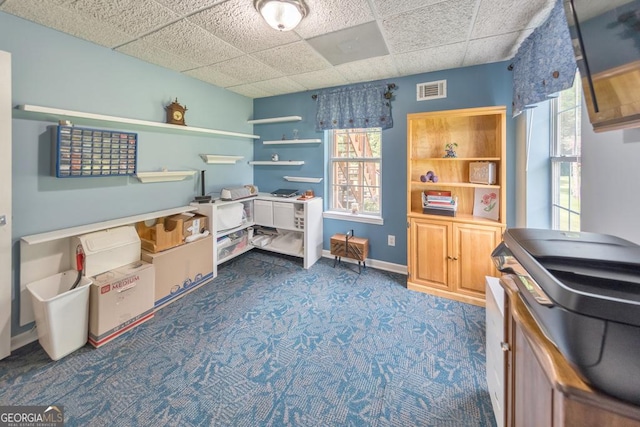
431 90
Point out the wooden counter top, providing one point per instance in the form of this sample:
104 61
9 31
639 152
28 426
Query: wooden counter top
579 404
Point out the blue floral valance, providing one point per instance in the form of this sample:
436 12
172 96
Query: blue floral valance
358 106
545 62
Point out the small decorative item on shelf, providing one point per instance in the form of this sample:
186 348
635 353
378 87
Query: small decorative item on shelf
175 113
308 194
355 207
275 157
486 203
450 150
429 176
295 134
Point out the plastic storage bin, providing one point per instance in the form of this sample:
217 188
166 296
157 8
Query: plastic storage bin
62 315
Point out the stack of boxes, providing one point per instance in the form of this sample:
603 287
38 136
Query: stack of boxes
185 263
136 270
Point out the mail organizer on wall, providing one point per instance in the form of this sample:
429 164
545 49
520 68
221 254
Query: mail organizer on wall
83 152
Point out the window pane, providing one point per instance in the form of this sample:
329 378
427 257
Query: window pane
566 158
567 133
356 179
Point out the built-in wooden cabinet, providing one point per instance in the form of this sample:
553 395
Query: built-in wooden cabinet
542 389
450 255
445 260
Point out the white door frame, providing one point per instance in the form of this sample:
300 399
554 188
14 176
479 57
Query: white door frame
5 204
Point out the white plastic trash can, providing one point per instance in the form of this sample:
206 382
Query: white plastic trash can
62 315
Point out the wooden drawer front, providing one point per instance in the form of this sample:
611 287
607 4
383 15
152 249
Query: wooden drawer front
358 248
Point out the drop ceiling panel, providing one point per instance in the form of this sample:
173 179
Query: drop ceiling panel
147 52
320 79
185 7
133 17
439 24
192 42
50 14
493 49
368 69
433 59
288 58
351 44
326 16
280 85
388 8
239 24
247 69
513 16
212 74
250 91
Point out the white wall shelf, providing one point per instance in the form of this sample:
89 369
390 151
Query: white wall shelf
275 120
293 141
278 163
37 112
89 228
215 158
302 179
163 176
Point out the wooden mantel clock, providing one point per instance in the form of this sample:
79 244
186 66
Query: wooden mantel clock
175 113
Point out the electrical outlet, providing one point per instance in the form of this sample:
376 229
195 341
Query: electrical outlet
391 240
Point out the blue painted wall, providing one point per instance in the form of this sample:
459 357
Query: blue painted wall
478 86
56 70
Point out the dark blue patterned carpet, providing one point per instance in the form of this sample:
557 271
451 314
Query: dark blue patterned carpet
268 343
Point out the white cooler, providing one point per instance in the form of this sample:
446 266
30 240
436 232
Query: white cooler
108 249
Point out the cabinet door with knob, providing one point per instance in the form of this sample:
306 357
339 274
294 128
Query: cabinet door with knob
429 242
472 247
451 259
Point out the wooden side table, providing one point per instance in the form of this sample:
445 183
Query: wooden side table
349 246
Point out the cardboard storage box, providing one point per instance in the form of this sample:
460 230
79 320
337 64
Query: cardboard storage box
120 299
164 234
180 270
192 223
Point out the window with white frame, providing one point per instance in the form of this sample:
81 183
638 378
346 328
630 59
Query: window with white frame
355 180
566 112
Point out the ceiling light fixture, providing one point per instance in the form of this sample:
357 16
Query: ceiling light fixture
282 15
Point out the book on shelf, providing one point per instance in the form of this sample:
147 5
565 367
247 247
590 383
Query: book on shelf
434 211
440 202
445 193
444 203
444 207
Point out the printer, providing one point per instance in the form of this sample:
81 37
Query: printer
584 291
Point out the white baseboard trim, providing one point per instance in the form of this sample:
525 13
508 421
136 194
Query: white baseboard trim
23 339
380 265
